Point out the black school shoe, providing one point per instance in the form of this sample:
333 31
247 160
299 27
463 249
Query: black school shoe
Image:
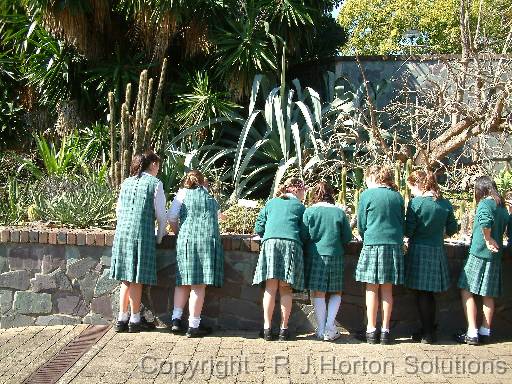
200 331
121 326
385 338
368 337
484 339
142 326
266 334
284 335
463 338
177 326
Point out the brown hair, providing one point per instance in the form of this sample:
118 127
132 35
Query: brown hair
292 182
193 180
426 181
142 161
322 192
486 187
383 175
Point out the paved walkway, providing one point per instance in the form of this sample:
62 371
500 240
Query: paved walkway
240 357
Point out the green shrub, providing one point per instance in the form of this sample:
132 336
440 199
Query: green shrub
79 202
240 220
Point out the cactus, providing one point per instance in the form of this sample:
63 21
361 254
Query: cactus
136 126
342 196
398 174
408 171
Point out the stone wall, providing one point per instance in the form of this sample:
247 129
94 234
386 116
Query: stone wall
67 283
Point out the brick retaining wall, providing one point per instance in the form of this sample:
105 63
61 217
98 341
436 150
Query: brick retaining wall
61 277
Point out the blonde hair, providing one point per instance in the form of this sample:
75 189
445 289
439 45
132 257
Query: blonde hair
292 182
383 175
193 180
426 180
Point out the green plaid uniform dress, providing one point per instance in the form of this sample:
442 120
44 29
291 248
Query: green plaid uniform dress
380 264
481 277
134 247
324 273
426 268
281 259
199 253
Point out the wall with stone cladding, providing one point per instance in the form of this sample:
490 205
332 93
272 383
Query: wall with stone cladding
66 283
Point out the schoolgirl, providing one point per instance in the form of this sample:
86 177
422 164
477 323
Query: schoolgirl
193 216
380 222
280 263
481 274
327 231
141 201
429 218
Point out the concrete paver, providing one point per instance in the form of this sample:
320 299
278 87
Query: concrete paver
160 357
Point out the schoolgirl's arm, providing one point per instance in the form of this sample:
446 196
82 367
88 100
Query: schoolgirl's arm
174 212
411 220
160 211
452 226
346 231
361 216
485 218
259 226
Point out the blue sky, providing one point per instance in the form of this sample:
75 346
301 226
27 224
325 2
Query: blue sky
336 11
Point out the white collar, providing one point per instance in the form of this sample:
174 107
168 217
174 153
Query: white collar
427 194
323 204
147 174
290 195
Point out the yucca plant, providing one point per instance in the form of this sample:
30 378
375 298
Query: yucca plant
72 154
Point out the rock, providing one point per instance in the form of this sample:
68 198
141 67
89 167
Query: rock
68 304
61 280
47 265
72 253
114 297
58 320
95 319
105 284
87 285
43 283
32 303
79 268
105 261
3 259
82 309
103 306
16 320
19 280
5 301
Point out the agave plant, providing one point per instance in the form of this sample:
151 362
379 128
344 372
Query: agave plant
294 129
74 201
14 200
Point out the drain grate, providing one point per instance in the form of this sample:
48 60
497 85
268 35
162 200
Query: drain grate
51 371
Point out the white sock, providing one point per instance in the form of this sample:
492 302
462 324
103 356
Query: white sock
123 316
193 322
320 313
382 330
370 329
484 331
176 313
472 332
334 306
135 318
